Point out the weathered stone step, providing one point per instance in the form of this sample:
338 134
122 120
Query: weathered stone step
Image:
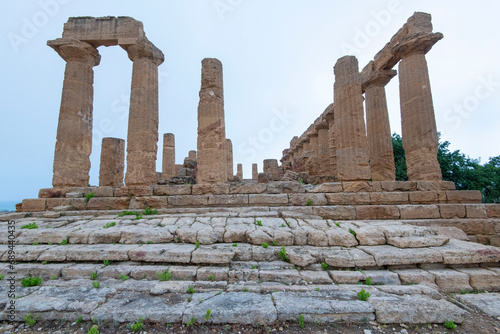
170 302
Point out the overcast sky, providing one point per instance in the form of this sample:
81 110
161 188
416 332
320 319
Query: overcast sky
278 59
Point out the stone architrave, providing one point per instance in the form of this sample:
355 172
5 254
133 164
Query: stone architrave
255 172
377 123
112 162
332 150
229 159
142 137
323 148
239 171
74 130
271 167
168 162
350 132
211 151
419 131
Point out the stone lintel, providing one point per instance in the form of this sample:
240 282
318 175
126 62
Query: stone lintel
372 77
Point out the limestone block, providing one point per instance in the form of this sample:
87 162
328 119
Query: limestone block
214 189
475 211
167 190
423 197
307 199
188 200
348 198
482 279
388 255
415 276
451 280
389 198
108 203
452 211
229 200
36 204
268 199
463 196
369 212
112 162
419 211
134 191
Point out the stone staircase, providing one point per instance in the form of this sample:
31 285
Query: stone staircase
248 265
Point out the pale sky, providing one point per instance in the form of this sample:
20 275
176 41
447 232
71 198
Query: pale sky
278 59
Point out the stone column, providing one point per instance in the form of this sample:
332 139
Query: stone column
192 155
229 159
142 137
323 148
112 162
168 162
255 172
350 133
332 149
239 171
212 160
74 130
382 166
271 167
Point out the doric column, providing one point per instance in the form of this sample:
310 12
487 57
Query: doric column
239 171
229 159
74 130
192 155
112 162
212 160
255 172
271 166
350 133
419 132
377 123
168 162
332 149
323 148
142 137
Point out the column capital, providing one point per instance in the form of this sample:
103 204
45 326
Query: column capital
321 125
371 77
416 43
75 50
142 48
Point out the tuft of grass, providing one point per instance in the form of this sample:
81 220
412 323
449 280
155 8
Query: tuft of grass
54 277
301 181
450 325
337 223
30 226
282 254
108 225
363 295
149 242
283 225
368 281
317 289
235 245
80 319
245 289
44 262
301 321
197 244
352 231
265 245
191 321
207 315
309 202
148 211
164 275
29 320
31 281
106 263
93 330
124 277
2 277
324 266
258 223
35 244
128 213
275 243
190 289
96 284
138 326
89 196
94 275
253 267
211 278
64 242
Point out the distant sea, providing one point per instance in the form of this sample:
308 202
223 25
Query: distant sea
8 205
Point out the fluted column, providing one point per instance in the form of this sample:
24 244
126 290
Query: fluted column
239 171
382 166
332 149
112 162
419 131
323 148
229 159
142 136
168 162
212 159
255 172
74 130
350 133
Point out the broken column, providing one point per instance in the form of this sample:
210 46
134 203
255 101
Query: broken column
192 155
239 171
323 148
419 132
271 167
112 162
168 162
142 137
377 123
350 133
229 159
212 160
255 172
74 130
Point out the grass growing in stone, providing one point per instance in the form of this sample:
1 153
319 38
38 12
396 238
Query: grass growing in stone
30 226
265 245
93 330
207 315
29 320
80 319
54 277
211 278
96 284
124 277
337 223
106 263
197 244
148 211
258 223
282 254
128 213
164 275
108 225
324 266
31 281
283 225
363 295
138 326
44 262
89 196
301 321
35 244
275 243
94 275
368 281
64 242
190 289
450 325
309 202
235 245
2 277
191 322
352 231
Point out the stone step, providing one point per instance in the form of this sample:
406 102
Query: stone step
242 303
